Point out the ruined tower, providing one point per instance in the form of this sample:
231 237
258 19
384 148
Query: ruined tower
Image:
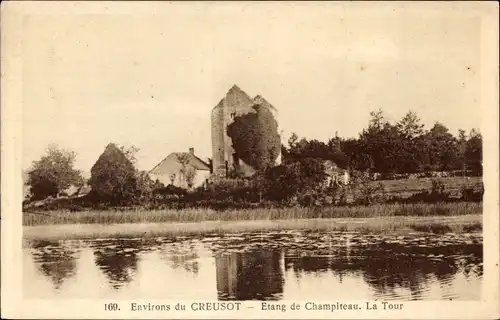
235 103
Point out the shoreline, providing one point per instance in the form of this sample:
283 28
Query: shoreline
142 215
393 224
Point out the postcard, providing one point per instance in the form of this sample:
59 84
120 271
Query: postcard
262 160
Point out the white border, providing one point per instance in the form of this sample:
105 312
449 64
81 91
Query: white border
13 304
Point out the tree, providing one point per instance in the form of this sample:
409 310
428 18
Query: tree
357 156
303 148
389 148
187 171
409 126
282 182
255 138
474 152
383 145
292 141
113 176
53 173
145 185
462 147
377 120
442 148
335 152
411 143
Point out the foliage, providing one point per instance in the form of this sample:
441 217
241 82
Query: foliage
53 173
405 147
357 155
303 148
113 176
409 126
255 138
442 149
145 186
365 192
474 151
437 193
233 190
170 190
130 153
187 171
284 182
470 194
297 218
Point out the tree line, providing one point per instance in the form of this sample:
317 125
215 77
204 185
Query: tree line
383 147
403 147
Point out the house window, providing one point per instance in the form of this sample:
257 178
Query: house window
233 114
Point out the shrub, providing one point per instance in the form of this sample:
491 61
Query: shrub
255 137
170 190
469 194
229 190
437 193
366 192
53 173
113 176
296 179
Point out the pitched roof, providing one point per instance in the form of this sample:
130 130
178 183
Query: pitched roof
196 162
236 94
260 100
235 90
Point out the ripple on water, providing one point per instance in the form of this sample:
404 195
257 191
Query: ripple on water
266 265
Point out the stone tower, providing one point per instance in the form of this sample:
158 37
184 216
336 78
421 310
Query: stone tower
235 103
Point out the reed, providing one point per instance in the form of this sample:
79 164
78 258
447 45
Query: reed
293 213
394 224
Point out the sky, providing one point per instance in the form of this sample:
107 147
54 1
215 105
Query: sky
151 77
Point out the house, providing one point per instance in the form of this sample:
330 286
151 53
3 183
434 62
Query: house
182 169
335 174
71 191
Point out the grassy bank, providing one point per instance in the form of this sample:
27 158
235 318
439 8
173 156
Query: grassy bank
399 225
453 185
199 215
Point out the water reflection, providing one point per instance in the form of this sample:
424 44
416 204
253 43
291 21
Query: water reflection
117 259
255 275
181 256
389 267
55 260
274 266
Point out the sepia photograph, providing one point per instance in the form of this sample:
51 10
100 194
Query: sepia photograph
233 152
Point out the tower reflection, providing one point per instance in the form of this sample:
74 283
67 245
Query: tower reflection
255 275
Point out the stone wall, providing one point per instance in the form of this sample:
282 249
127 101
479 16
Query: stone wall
235 103
218 132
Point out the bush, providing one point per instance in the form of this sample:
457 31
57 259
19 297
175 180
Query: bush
255 137
469 194
285 182
231 190
436 194
366 192
113 177
170 190
53 173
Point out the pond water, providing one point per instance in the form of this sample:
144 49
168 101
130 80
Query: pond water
291 265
